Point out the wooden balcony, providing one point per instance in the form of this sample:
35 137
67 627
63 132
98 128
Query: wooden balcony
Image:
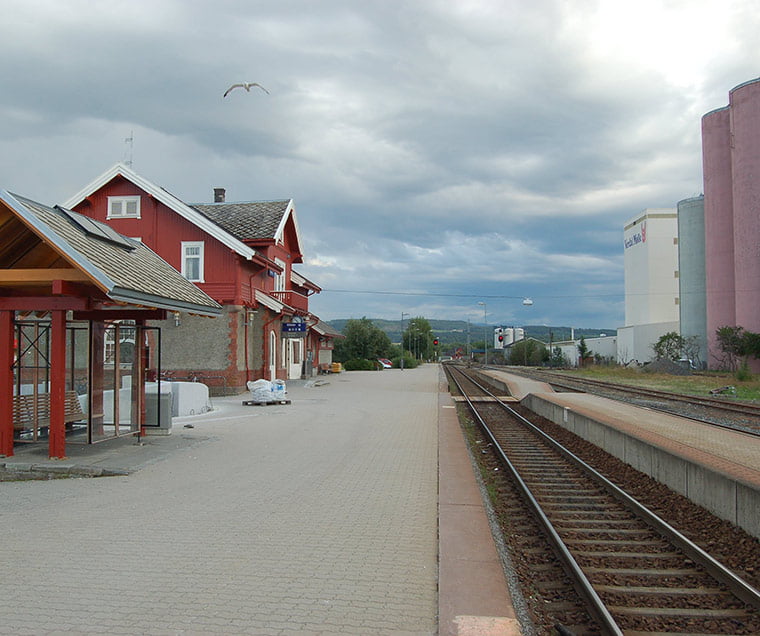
292 299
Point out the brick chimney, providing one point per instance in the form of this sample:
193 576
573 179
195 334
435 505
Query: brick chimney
219 195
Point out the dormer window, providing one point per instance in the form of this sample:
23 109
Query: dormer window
192 261
279 279
124 207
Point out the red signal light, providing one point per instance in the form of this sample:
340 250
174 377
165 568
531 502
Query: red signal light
435 342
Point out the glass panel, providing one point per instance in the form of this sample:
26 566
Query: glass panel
31 374
193 268
77 382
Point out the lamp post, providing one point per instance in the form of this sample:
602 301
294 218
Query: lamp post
485 330
401 362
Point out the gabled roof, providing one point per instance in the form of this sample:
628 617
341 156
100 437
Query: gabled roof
253 220
125 270
323 329
170 201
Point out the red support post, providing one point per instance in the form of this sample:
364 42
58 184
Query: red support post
6 383
57 446
139 364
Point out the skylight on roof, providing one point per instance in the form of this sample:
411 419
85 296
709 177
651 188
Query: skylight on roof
96 229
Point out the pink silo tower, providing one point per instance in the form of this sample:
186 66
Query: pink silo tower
731 167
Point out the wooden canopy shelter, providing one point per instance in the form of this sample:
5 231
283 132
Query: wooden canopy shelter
59 269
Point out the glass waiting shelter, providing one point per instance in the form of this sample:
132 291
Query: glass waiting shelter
75 344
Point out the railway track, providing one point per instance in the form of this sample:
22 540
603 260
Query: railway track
625 570
720 412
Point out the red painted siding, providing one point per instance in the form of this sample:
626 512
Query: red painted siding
164 231
228 278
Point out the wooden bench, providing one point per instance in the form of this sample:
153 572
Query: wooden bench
26 412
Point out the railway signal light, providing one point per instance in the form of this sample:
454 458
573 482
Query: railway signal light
435 342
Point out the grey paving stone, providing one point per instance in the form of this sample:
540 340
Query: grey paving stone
315 517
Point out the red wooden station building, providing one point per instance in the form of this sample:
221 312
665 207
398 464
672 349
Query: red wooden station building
242 254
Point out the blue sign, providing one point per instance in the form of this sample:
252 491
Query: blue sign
293 327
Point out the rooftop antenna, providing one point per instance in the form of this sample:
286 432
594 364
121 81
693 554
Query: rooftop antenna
130 143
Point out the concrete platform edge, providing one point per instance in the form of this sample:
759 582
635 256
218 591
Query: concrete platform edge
473 596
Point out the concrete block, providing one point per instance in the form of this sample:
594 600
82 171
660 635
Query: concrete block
714 492
748 509
19 466
639 455
614 441
596 433
671 471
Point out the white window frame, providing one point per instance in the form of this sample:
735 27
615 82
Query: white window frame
279 279
117 207
186 246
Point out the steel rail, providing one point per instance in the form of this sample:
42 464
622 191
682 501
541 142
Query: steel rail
595 604
740 588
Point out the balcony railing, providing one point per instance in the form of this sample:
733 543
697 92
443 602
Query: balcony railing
292 299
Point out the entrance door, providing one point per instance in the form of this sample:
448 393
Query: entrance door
295 358
272 356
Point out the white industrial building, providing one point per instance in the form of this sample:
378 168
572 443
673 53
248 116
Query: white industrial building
650 242
603 346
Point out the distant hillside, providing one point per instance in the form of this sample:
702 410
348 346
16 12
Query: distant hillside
455 331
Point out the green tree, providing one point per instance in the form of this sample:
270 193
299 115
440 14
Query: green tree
528 352
363 340
730 343
737 344
557 358
418 339
669 346
583 351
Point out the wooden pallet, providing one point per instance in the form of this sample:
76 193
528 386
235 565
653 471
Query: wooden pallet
254 403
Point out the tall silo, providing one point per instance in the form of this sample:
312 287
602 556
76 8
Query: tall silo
744 101
719 227
691 272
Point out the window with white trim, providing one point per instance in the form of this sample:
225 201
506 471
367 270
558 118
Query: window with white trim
279 279
124 207
192 261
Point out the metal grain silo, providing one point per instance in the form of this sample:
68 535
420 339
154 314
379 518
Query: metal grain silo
719 227
691 272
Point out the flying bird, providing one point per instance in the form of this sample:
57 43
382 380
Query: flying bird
246 85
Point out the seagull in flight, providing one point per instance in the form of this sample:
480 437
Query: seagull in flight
246 85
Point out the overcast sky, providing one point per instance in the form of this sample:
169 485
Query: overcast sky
439 153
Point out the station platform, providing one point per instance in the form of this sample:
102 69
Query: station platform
714 467
352 510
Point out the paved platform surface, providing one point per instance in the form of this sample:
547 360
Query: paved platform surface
317 517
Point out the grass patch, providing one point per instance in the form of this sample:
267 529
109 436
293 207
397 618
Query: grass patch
697 384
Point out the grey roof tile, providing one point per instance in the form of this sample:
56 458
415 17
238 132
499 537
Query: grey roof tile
246 221
139 273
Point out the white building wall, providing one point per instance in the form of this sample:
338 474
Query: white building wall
651 267
605 346
634 343
650 242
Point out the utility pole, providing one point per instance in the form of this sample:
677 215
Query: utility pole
485 331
